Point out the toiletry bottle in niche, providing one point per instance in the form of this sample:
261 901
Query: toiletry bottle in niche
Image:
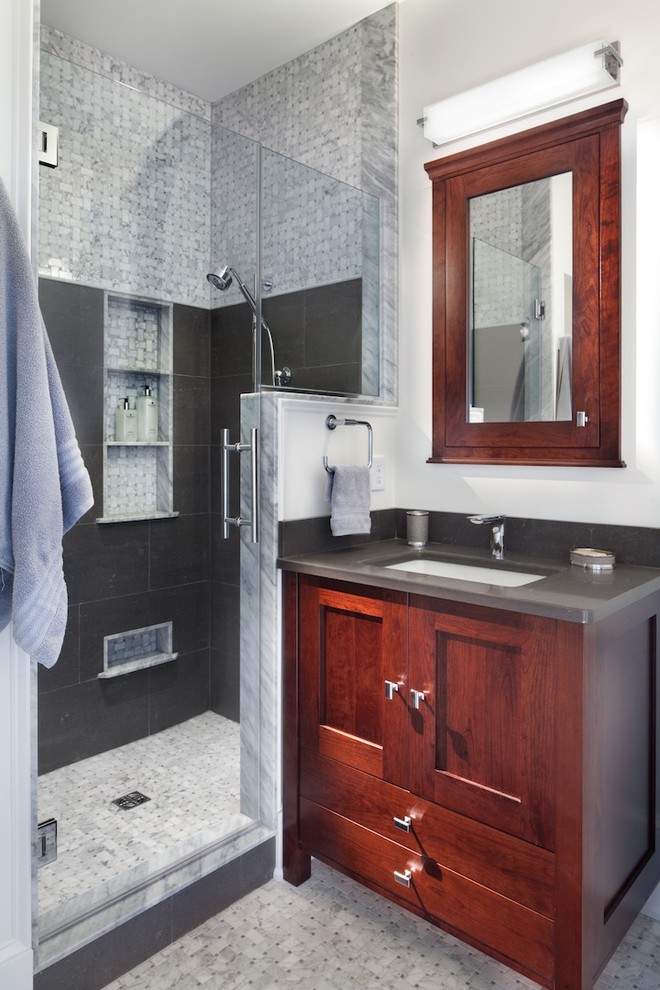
147 416
125 423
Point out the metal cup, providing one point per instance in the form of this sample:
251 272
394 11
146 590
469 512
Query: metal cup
417 527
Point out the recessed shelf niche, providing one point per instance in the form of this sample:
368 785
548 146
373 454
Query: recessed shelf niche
137 475
136 649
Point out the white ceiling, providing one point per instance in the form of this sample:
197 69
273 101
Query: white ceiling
208 47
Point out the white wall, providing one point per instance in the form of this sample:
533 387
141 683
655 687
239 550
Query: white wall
305 440
449 46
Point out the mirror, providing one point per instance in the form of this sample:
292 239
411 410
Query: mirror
521 303
526 320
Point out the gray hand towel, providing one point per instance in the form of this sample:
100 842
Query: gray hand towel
348 490
44 485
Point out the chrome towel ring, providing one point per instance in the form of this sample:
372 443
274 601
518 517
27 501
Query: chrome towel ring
332 422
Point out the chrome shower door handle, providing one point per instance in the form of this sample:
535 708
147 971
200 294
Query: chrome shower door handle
254 484
227 520
224 508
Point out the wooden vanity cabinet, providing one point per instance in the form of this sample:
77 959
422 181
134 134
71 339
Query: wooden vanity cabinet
492 771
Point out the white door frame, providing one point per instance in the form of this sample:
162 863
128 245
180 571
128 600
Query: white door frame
17 18
16 822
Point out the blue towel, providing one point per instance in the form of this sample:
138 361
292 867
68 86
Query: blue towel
348 490
44 485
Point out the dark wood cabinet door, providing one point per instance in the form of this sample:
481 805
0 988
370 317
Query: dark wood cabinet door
351 644
483 737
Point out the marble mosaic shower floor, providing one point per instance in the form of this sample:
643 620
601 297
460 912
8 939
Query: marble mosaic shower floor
333 934
191 775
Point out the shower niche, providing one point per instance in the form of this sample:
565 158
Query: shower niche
137 470
137 649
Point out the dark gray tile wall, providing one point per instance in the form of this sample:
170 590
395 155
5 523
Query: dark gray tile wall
314 536
311 328
127 575
545 537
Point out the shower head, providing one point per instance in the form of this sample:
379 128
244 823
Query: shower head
225 277
222 279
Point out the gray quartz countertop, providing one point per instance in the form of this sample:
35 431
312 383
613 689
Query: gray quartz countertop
564 591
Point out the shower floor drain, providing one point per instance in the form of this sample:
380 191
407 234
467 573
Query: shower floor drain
131 800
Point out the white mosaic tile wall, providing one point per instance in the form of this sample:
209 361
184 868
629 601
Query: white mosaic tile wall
86 57
311 226
131 481
309 109
137 334
128 207
234 199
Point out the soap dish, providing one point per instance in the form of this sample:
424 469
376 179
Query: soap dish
591 559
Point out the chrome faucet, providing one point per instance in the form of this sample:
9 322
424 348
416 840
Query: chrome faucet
497 525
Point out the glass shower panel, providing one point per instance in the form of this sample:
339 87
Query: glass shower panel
128 224
239 344
320 282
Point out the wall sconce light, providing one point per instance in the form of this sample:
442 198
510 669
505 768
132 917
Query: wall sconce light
560 79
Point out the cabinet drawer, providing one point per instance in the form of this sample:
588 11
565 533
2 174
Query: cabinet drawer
495 859
492 921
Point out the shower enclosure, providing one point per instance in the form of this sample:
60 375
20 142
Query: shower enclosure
158 736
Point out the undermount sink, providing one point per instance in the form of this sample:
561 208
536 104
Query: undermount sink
466 572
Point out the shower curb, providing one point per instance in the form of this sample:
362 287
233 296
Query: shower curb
106 957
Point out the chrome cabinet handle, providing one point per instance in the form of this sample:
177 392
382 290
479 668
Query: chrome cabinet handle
404 878
227 520
403 823
417 698
391 688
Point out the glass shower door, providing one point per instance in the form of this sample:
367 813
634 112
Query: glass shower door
244 523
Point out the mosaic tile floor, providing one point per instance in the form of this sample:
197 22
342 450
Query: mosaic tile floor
332 933
188 772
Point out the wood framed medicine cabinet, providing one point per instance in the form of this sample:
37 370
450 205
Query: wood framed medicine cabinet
564 401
